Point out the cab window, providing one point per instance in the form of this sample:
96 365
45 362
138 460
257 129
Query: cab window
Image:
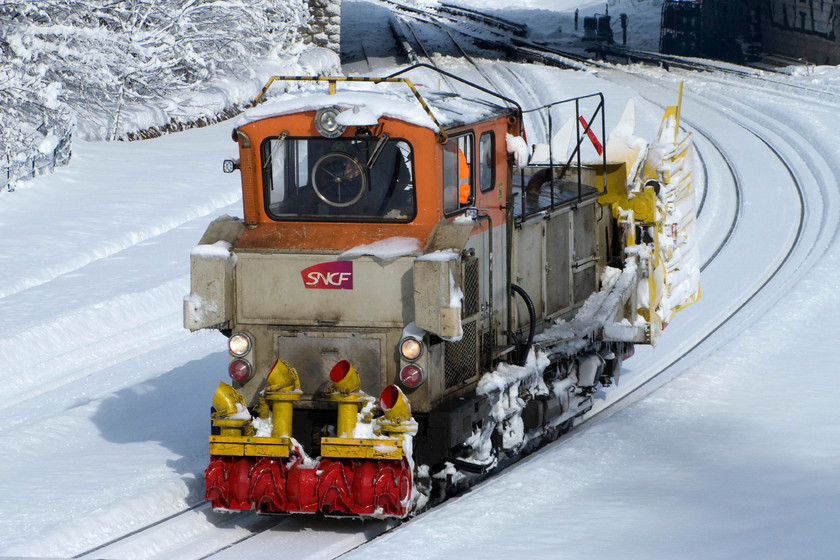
458 173
487 161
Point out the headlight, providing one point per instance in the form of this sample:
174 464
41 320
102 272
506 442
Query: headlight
411 348
239 344
325 122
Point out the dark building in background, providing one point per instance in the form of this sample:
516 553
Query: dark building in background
805 29
681 28
744 30
732 29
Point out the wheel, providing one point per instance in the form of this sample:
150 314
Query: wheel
339 179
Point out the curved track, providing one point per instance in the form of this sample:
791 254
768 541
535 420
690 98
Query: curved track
784 180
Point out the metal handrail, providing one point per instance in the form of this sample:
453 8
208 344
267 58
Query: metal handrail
333 80
465 82
576 153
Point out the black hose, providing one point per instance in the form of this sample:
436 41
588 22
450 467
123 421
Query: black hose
522 355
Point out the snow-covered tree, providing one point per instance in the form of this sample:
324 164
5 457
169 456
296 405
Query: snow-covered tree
119 69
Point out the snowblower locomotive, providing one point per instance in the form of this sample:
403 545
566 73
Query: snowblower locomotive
412 296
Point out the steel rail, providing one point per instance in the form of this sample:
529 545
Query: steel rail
194 507
484 19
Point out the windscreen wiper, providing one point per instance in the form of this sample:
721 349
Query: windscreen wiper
377 150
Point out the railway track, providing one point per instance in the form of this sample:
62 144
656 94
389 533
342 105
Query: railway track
508 37
777 136
761 77
198 533
183 522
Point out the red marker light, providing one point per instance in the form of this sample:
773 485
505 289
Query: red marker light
239 370
412 376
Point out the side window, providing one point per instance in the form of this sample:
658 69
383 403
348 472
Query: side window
458 173
487 161
274 167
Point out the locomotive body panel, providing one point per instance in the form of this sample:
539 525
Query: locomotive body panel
295 288
391 255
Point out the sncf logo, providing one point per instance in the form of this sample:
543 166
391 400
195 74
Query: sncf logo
329 276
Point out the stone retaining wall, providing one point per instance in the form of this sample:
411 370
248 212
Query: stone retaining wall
325 24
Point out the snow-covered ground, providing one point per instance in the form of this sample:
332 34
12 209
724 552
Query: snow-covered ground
106 397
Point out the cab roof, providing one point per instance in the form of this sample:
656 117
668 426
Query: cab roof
365 106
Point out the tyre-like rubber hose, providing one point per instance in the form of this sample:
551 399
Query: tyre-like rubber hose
522 355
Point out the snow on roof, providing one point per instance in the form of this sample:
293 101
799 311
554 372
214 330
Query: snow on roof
363 107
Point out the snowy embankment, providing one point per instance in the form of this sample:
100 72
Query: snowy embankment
71 233
99 374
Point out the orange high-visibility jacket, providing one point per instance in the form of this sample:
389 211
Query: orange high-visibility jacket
463 178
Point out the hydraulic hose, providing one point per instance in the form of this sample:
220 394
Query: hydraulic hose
522 355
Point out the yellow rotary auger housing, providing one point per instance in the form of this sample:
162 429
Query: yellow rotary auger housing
349 397
650 191
274 472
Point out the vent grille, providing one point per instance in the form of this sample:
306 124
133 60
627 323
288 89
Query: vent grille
461 357
470 288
